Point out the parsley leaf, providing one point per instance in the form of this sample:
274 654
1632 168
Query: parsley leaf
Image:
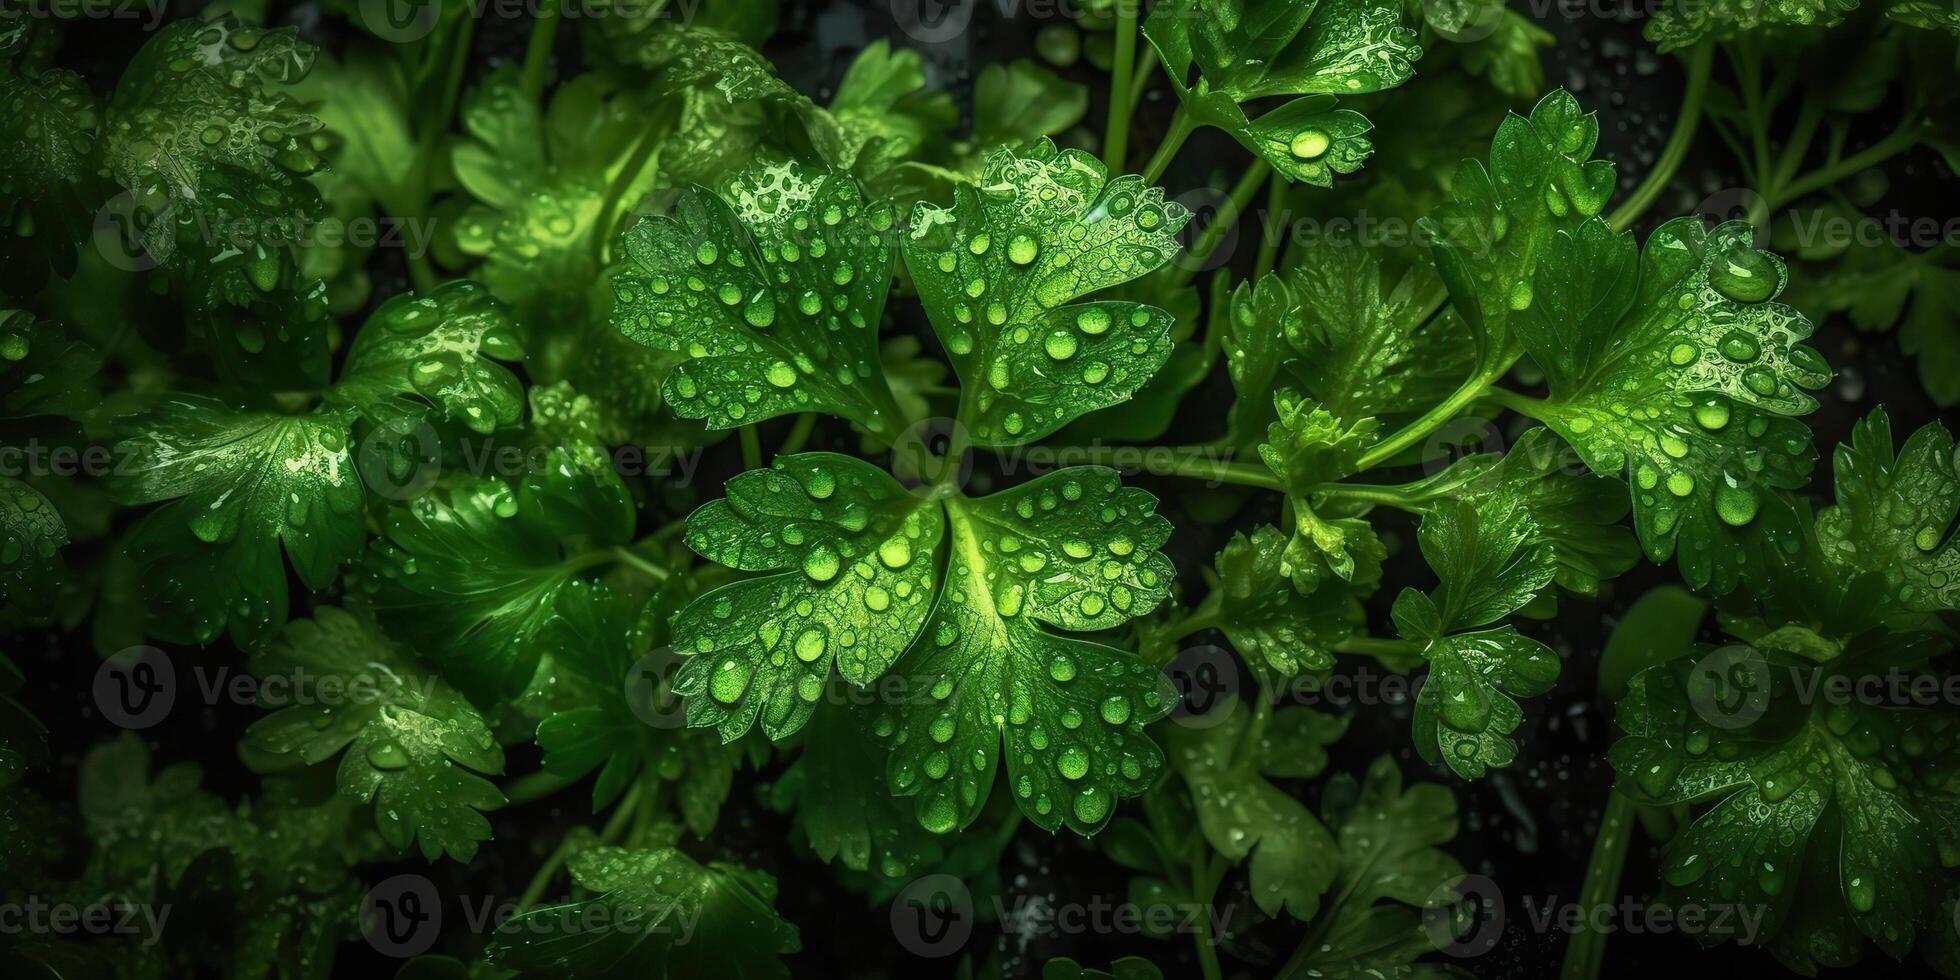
774 296
32 535
239 483
1895 511
851 552
654 912
1823 807
47 147
1491 564
998 272
407 741
1679 24
1273 624
437 349
1242 814
842 804
1075 550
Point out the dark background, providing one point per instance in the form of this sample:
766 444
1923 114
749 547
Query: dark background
1529 828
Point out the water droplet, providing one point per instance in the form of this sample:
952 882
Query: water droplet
1309 144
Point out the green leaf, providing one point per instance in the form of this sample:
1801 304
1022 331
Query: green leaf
1252 48
1488 554
32 535
775 297
653 913
239 483
407 742
1016 103
1895 511
1391 871
469 573
1681 23
1832 808
998 273
1885 286
1124 968
47 144
1508 57
437 349
1499 221
1242 814
842 803
852 557
1074 550
199 133
1467 709
1277 628
44 369
1308 445
1680 372
882 105
599 645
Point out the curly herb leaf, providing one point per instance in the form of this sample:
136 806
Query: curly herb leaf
408 742
1895 511
1075 550
999 271
853 557
774 296
437 349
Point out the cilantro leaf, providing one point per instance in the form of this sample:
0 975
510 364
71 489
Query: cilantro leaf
598 646
239 483
47 146
774 296
438 349
1306 446
1273 624
1075 550
842 804
468 574
32 535
407 741
198 132
1491 564
1679 24
1019 102
653 913
883 106
1680 372
1824 808
44 369
852 556
1884 285
998 273
1242 814
1895 511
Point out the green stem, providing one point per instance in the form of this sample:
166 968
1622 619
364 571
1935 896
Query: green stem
534 890
1182 125
535 786
751 448
1901 140
1798 146
1191 463
1687 121
1587 948
1146 60
1536 408
544 33
1116 137
799 433
1473 387
632 559
1398 497
616 192
1205 891
1376 646
1202 617
1194 260
1269 241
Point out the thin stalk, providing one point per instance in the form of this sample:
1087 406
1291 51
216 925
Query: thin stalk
537 52
1182 125
1473 388
1242 192
1901 140
1205 889
1400 498
1587 949
1701 59
751 448
1184 463
1202 617
534 890
799 433
1537 408
1798 145
1375 646
1116 138
603 230
1268 241
535 786
1140 79
630 558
